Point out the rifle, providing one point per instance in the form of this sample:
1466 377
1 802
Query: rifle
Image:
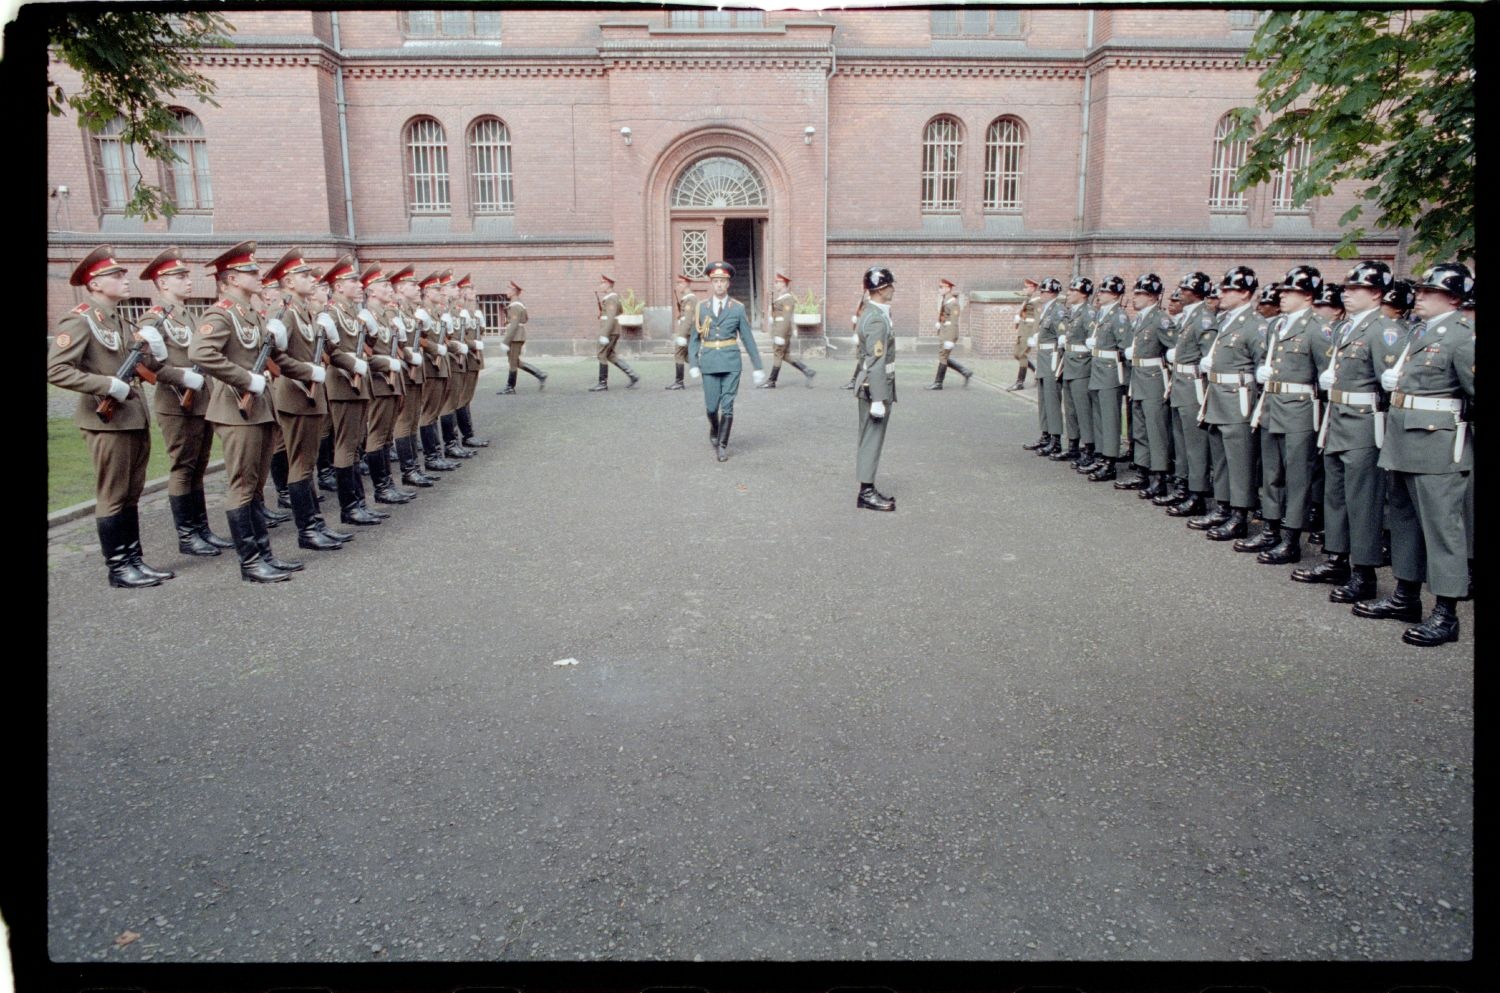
355 379
263 363
130 369
367 318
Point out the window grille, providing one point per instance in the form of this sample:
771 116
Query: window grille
493 191
942 145
1229 158
427 167
1003 145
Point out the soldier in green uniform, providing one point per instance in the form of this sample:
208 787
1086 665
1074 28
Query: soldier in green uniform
387 384
1152 332
877 386
91 344
1288 416
859 309
1049 398
348 389
513 342
1328 304
1108 335
682 327
783 306
1195 333
1026 318
609 336
720 326
1074 369
1430 461
947 329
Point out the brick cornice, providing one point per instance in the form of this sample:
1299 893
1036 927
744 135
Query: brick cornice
966 68
469 69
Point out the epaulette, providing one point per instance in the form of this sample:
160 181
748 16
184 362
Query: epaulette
82 308
156 310
225 304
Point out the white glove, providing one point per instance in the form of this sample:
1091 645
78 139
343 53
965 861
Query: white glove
877 409
854 320
758 376
152 337
1089 341
603 317
394 363
1031 342
778 341
319 374
329 326
1018 319
1388 380
603 339
401 335
938 325
369 319
1172 355
464 313
277 331
192 380
1129 352
416 359
947 346
462 348
680 341
854 339
1203 365
423 316
257 383
694 372
442 349
118 388
361 367
478 344
1262 373
447 320
504 348
1325 378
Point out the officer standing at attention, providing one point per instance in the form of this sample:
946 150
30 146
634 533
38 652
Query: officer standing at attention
864 300
1108 335
401 314
435 373
783 305
682 328
1195 333
947 329
1044 340
514 342
458 367
877 384
609 336
1430 461
472 322
1026 318
348 389
1073 332
90 346
720 325
1151 334
387 385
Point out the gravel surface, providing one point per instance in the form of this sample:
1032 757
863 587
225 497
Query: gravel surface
1023 717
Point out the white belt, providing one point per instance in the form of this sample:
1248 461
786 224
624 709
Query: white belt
1113 354
1084 349
1186 368
1147 363
1278 387
1230 378
1049 346
1405 402
1354 399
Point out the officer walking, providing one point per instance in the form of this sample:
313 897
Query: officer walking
1195 334
947 329
1108 337
1026 318
877 384
514 342
1074 371
682 328
783 306
720 325
609 336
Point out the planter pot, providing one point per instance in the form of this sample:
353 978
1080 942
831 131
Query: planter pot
631 320
807 320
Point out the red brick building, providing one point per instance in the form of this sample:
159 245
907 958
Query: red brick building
552 145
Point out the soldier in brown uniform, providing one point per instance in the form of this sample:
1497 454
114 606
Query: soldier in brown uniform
682 328
387 385
268 300
348 389
513 342
91 344
783 306
1026 321
435 373
401 315
298 397
180 402
472 320
458 367
947 329
609 336
228 345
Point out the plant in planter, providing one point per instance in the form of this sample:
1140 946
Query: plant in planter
808 312
632 310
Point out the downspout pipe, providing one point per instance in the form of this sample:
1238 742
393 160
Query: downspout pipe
343 108
1083 144
833 68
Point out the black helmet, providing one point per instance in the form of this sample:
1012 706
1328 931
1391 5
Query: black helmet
1213 292
1450 277
1050 285
878 277
1468 303
1303 279
1082 284
1329 295
1372 275
1197 282
1176 294
1400 295
1149 283
1241 277
1112 284
1271 294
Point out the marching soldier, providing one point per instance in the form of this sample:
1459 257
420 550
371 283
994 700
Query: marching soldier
348 389
401 314
229 345
1195 334
721 325
783 305
473 324
458 367
435 375
387 385
877 387
682 329
513 342
1151 334
1074 370
609 336
947 329
1049 401
1426 450
180 402
1108 336
86 356
1026 320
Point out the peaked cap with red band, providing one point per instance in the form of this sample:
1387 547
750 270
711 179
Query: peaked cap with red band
99 262
342 269
466 282
431 279
946 282
168 263
406 274
783 277
240 258
514 287
289 263
372 274
608 280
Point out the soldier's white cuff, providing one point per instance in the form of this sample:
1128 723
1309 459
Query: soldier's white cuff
603 339
603 317
318 374
478 345
947 346
442 349
680 341
361 367
118 388
779 341
504 347
192 380
462 348
416 359
257 383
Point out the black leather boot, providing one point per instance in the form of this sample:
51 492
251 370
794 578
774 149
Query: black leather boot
1045 441
726 421
1269 536
1441 626
806 371
466 429
350 511
342 537
114 542
305 511
1360 586
1333 569
411 471
386 491
1136 482
1087 461
200 506
510 384
1285 551
603 383
1315 523
1053 448
1192 506
263 542
432 450
676 384
131 519
1403 604
253 566
272 516
1104 472
359 493
713 429
634 379
278 479
963 371
1070 455
1172 492
937 381
869 499
1234 526
452 447
326 480
185 517
541 377
770 383
1156 485
1213 518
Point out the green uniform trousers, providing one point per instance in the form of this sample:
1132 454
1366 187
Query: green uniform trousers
1104 412
120 459
1230 448
1049 399
1353 500
1148 428
188 441
247 460
1427 530
871 441
1190 445
1286 465
1078 421
719 391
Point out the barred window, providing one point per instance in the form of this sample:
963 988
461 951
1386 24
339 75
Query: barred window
116 167
446 24
133 309
942 144
195 307
1003 145
977 22
427 167
187 176
1293 167
1229 158
694 253
491 188
720 181
716 20
489 305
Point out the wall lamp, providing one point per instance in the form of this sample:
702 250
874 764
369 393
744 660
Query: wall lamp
625 133
807 134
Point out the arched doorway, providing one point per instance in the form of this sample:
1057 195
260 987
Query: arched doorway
720 210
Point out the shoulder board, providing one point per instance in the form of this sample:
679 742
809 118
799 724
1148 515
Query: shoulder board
156 310
225 304
82 308
730 300
1464 322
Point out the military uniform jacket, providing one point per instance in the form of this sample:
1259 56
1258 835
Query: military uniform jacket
609 314
1361 352
1298 354
453 332
1236 350
343 330
782 309
687 308
1031 308
1152 332
431 328
1111 332
1195 332
90 345
402 318
948 318
515 324
383 340
1074 325
228 341
732 321
296 361
877 356
473 332
1439 363
170 385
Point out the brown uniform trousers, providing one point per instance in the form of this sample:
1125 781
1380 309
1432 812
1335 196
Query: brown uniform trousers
188 436
684 328
408 414
300 405
347 406
609 327
226 345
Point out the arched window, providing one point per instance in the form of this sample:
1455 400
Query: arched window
1003 144
491 188
187 175
942 145
116 167
719 182
427 167
1229 158
1293 166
